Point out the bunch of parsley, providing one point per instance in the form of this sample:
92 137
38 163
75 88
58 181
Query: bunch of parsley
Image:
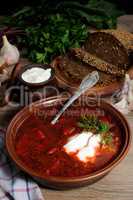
55 37
52 27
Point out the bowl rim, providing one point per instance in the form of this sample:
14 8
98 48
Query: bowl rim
57 179
29 66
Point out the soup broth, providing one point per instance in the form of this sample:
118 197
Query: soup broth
76 145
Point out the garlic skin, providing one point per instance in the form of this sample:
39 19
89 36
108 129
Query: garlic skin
122 105
9 52
125 105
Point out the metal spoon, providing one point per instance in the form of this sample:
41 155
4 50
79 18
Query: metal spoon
88 82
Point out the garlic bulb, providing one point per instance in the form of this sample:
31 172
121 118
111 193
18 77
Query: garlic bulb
9 52
125 105
122 105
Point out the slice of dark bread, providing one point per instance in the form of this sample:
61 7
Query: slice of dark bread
74 71
113 46
96 62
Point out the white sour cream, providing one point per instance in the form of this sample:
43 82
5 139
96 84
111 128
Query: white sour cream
77 142
84 145
90 150
36 75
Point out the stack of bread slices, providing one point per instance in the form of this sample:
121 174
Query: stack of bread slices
110 52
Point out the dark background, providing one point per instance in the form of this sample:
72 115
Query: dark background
9 6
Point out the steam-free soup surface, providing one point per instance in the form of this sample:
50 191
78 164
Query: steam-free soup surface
74 146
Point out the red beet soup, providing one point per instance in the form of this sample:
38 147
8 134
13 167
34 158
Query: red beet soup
80 143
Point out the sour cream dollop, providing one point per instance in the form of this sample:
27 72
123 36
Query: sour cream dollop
36 75
83 145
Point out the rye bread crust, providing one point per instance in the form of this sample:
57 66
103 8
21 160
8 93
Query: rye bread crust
97 63
113 46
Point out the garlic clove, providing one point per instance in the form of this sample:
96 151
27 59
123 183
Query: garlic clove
126 104
9 52
122 105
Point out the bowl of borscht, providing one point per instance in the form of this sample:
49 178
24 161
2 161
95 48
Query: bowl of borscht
86 143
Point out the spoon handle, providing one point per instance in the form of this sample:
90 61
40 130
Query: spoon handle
88 82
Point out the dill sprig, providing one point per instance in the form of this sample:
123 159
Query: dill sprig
92 123
89 123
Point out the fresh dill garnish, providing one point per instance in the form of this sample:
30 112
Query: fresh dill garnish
92 122
88 123
97 126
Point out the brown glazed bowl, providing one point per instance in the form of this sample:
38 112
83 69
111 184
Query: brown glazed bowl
64 182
